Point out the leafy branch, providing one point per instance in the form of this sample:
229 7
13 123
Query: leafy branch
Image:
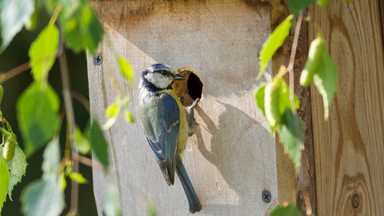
72 25
277 100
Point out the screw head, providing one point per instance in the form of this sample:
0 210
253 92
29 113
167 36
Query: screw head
97 59
266 196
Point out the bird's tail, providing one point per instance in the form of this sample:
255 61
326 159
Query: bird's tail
193 200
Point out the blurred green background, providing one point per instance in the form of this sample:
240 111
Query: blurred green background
17 54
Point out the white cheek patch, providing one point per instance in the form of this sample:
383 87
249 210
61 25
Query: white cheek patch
158 80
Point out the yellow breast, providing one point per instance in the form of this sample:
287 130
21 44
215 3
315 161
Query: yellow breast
183 125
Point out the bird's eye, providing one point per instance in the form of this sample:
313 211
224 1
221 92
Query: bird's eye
163 72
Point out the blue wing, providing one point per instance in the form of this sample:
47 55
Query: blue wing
160 119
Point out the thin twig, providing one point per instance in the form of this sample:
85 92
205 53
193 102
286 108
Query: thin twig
71 126
4 76
79 97
292 58
14 72
86 161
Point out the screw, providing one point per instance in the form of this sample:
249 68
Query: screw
266 196
97 59
355 201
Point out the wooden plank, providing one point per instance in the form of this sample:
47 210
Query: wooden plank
349 147
231 157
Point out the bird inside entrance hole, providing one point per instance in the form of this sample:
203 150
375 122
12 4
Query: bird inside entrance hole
165 126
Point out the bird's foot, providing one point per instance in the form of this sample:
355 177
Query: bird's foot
194 104
192 116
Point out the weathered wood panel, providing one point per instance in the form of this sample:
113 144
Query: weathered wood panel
349 147
231 157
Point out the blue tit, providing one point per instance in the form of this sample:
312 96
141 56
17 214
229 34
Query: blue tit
165 126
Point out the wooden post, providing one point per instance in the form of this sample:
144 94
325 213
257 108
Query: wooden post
231 157
349 146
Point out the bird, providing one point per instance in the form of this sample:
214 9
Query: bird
165 126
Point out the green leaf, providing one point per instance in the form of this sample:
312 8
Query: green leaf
126 69
50 5
299 5
37 115
68 169
78 178
290 210
285 101
68 7
259 97
111 114
129 117
276 101
43 52
151 209
51 157
4 182
62 181
325 80
13 15
81 142
33 20
274 41
9 147
43 197
111 203
322 3
17 167
82 28
292 137
313 61
113 110
272 102
1 93
5 132
98 143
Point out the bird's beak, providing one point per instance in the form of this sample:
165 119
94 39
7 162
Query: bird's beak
178 77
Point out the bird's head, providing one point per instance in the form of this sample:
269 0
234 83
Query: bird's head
161 75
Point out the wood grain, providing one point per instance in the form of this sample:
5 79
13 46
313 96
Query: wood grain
231 157
349 147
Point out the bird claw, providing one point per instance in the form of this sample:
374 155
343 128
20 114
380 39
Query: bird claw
194 104
190 131
192 116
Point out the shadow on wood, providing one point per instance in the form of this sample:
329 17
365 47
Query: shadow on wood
233 157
